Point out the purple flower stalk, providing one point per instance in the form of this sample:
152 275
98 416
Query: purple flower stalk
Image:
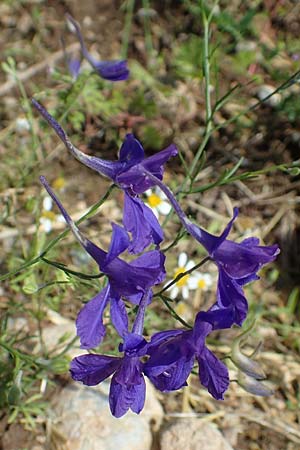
238 264
130 280
109 70
127 173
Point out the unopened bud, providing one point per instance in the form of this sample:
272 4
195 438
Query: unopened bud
243 362
246 364
254 386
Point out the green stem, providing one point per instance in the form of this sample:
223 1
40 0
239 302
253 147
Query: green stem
147 28
291 80
173 312
71 272
181 275
58 238
209 113
127 28
207 73
18 354
208 110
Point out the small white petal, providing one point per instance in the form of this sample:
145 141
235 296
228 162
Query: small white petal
162 194
185 292
148 192
208 279
192 282
47 203
189 264
164 208
182 259
174 292
47 224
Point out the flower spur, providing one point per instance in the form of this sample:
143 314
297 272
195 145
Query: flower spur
138 219
108 70
138 276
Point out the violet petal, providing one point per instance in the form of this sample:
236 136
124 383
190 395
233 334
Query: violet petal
93 369
89 322
140 221
213 374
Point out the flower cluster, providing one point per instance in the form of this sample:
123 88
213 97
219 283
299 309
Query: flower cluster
167 357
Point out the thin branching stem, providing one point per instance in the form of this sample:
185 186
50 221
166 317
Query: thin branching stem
183 274
54 241
127 28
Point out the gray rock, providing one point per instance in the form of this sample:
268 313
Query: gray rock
193 434
82 421
265 90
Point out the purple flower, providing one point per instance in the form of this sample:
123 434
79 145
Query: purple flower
109 70
238 264
128 170
171 359
241 261
172 356
127 173
130 280
127 389
137 276
132 155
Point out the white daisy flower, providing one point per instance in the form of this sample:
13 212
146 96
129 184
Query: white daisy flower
156 199
183 284
48 217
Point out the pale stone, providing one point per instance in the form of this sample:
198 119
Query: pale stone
264 91
83 421
193 434
58 334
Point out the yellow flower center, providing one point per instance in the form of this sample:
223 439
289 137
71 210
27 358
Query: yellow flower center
59 183
154 200
201 283
49 215
183 280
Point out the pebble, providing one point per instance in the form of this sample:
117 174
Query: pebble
193 434
264 91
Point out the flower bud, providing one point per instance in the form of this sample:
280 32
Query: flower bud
246 364
254 386
243 362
